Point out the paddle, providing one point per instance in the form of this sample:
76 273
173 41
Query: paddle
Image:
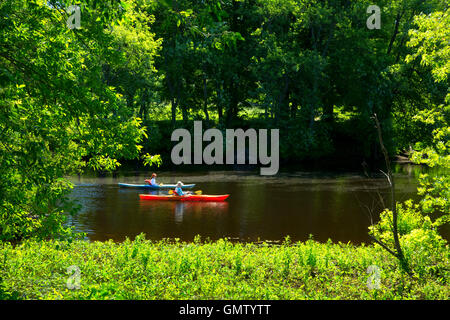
196 192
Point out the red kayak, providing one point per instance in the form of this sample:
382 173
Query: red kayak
191 197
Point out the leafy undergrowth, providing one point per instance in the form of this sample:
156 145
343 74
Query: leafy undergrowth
142 269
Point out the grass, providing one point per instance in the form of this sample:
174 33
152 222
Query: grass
142 269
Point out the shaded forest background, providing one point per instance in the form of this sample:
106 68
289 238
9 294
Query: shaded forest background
311 68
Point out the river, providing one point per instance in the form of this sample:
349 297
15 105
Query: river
336 206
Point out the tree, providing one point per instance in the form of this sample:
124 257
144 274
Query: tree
419 223
431 43
58 115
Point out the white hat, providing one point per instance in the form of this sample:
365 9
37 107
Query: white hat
179 184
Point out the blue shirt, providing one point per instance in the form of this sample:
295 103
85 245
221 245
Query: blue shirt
179 191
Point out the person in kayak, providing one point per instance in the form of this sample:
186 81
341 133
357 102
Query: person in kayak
152 181
179 191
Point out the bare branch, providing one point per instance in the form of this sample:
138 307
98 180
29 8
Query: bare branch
385 247
390 178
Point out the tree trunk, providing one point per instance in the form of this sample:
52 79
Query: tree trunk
173 101
219 101
232 107
205 97
174 111
389 176
184 112
394 34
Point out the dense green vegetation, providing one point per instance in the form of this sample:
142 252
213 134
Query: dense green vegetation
114 90
141 269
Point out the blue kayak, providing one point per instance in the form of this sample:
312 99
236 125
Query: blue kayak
148 186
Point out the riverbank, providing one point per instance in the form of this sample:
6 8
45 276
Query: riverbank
142 269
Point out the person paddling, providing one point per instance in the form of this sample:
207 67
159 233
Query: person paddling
179 191
152 181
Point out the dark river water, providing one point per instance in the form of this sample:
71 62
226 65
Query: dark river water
328 206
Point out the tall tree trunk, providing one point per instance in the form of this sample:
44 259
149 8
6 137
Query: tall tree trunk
315 84
394 34
219 102
405 35
174 111
205 98
184 112
315 99
232 107
173 102
143 111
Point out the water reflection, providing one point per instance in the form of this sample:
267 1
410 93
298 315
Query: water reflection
179 209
